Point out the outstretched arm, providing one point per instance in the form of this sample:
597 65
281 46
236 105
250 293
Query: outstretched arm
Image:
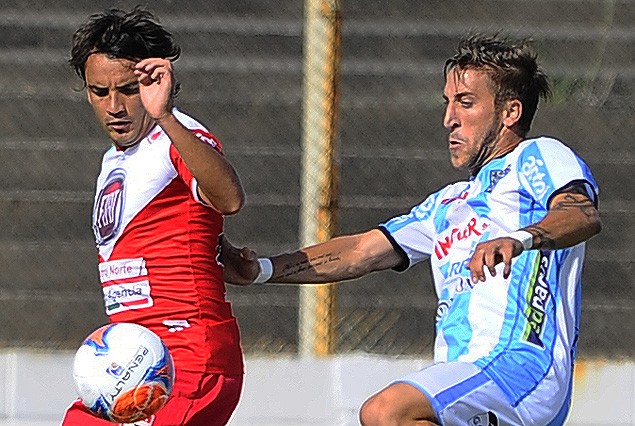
572 218
341 258
218 182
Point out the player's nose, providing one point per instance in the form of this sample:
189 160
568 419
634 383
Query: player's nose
115 105
450 118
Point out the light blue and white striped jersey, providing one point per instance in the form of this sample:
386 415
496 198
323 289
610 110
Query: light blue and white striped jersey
520 329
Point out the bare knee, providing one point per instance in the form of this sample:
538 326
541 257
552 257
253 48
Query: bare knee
398 404
375 411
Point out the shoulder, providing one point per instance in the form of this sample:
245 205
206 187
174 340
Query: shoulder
544 144
544 150
444 195
199 129
187 120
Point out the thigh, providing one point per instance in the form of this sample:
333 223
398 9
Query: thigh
461 394
218 401
207 400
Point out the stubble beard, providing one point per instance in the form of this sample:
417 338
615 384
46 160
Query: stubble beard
481 157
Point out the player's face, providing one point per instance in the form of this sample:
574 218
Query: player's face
470 116
113 92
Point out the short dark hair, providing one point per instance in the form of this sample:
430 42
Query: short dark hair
133 35
513 69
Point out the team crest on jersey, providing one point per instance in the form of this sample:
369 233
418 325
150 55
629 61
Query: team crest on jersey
495 176
109 207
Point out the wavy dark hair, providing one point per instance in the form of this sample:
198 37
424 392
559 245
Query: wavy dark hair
133 35
513 69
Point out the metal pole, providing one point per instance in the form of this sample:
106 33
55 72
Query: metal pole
322 39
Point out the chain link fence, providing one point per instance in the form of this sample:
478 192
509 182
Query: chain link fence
242 74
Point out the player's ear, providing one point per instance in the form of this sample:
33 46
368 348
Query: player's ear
512 112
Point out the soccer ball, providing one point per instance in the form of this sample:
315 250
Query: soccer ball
123 372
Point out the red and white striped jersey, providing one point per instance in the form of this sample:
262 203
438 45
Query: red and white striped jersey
158 247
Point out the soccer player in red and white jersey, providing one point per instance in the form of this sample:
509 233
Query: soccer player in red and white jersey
163 190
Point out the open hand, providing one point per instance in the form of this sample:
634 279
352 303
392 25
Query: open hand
156 86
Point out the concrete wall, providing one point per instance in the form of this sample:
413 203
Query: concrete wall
35 388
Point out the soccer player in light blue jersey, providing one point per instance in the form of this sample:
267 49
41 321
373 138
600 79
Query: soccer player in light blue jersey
506 248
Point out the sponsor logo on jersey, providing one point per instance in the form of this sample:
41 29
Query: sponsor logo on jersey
462 196
207 137
462 285
484 419
176 325
443 307
423 210
109 207
495 176
532 174
443 245
127 296
457 268
122 269
420 212
537 300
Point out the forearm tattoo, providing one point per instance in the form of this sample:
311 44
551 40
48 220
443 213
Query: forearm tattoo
586 206
570 200
292 269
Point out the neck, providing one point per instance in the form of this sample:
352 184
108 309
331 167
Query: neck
495 145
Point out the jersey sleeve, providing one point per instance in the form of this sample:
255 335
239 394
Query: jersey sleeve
180 166
412 234
546 166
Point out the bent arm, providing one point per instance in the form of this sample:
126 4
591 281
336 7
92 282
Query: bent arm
572 218
218 182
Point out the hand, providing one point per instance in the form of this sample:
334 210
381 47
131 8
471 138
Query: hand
156 86
491 253
241 265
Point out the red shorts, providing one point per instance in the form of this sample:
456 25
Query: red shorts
196 400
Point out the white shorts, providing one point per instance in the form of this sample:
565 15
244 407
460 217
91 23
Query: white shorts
462 395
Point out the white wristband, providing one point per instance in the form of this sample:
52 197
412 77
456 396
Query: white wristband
525 238
266 270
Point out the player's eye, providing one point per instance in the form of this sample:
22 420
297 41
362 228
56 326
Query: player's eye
131 89
99 92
